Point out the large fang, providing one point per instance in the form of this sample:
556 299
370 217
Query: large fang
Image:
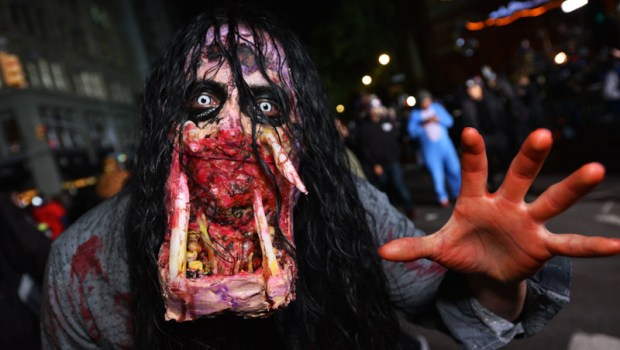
269 258
179 216
204 233
283 163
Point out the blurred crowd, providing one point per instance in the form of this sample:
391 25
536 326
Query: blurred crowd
29 222
577 97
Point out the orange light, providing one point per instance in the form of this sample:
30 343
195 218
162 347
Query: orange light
12 72
502 21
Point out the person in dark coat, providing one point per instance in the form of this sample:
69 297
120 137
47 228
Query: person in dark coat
483 110
23 255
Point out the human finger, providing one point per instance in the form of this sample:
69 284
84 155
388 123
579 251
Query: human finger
565 193
407 249
580 246
526 165
474 166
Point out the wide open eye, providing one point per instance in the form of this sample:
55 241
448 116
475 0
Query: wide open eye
268 109
270 112
203 106
204 101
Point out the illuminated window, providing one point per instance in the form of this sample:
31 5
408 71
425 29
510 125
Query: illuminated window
59 77
33 75
46 74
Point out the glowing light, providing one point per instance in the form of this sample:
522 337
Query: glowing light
366 80
340 108
37 201
560 58
572 5
384 59
121 157
410 101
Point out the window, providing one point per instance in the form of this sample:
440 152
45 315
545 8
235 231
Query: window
59 76
32 72
11 142
61 132
46 74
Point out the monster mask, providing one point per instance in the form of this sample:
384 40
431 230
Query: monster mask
232 183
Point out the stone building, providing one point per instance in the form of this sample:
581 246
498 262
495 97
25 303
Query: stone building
83 65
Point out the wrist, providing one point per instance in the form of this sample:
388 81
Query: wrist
503 299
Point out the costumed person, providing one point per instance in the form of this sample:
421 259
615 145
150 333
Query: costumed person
246 229
52 213
429 123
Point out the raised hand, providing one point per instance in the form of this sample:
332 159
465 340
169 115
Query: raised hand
498 236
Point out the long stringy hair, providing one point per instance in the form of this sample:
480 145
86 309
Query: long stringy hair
342 299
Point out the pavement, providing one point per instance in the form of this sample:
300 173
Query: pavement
591 321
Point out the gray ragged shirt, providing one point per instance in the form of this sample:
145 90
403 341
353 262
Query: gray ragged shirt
87 294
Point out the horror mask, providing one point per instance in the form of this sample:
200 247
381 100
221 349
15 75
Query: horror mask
232 184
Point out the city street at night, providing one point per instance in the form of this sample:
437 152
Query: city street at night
209 174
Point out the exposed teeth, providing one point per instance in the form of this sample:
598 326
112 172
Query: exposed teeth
177 184
269 258
250 265
237 265
283 163
204 233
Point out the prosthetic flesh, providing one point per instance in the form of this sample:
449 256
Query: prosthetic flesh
219 254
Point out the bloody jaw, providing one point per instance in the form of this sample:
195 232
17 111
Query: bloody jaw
219 252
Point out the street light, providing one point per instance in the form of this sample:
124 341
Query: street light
366 80
571 5
410 101
560 58
384 59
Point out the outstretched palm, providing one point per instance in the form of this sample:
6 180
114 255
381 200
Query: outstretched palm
499 235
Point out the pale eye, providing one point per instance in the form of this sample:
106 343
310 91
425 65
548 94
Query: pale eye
203 106
268 109
204 101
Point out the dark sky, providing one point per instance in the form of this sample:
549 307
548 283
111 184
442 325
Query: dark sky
342 48
302 15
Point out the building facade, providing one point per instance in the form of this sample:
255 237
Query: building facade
83 65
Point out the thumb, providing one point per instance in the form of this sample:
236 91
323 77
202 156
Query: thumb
407 249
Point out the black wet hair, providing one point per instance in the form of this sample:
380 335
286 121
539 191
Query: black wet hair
342 298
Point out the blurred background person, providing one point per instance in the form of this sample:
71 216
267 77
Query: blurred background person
611 84
378 140
354 162
51 212
532 98
483 111
514 109
23 255
113 177
429 124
